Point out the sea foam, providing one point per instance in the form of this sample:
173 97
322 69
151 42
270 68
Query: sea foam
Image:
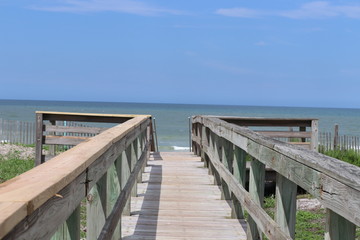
176 148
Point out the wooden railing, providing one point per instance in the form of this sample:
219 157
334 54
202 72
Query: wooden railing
298 131
100 173
223 146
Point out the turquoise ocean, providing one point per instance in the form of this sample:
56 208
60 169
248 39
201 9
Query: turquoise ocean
172 120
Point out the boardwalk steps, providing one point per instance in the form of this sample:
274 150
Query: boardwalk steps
178 200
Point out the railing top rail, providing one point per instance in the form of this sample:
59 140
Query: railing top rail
263 121
25 193
88 117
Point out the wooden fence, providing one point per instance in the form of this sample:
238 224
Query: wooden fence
44 202
333 141
223 146
20 132
17 132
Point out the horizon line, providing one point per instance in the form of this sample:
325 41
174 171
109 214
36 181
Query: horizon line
173 103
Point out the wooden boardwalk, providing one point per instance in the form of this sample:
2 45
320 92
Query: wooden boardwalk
178 200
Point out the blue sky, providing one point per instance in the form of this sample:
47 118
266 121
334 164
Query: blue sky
272 53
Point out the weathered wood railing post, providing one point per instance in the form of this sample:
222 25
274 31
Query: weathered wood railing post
125 174
96 209
285 214
70 229
314 144
336 137
226 157
239 166
215 148
338 228
256 190
39 139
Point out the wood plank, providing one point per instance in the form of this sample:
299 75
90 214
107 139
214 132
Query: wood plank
113 191
67 129
275 122
315 135
256 191
96 208
70 229
179 210
11 214
51 214
285 213
338 228
39 139
239 167
283 134
89 117
64 140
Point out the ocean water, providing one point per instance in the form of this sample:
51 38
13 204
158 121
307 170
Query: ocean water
172 120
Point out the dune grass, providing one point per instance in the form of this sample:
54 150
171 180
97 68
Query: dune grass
12 165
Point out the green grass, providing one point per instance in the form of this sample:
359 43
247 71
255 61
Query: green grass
349 156
13 165
309 224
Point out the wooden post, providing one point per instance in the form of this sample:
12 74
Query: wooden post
285 214
302 129
138 151
256 190
52 147
338 228
290 130
336 136
125 173
70 230
133 160
203 142
96 208
113 191
215 149
226 156
239 171
39 158
314 135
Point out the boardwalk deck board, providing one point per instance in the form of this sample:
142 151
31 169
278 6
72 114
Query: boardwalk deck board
177 200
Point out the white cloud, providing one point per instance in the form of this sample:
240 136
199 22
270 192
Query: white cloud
311 10
322 10
239 12
125 6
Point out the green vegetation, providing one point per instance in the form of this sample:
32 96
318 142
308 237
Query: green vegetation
349 156
309 224
12 165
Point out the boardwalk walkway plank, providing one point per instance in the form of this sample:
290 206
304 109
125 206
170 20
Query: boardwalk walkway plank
177 200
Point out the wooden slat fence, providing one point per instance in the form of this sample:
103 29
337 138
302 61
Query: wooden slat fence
12 131
44 203
224 147
20 132
328 141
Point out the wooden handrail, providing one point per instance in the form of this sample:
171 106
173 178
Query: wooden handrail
334 183
32 205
